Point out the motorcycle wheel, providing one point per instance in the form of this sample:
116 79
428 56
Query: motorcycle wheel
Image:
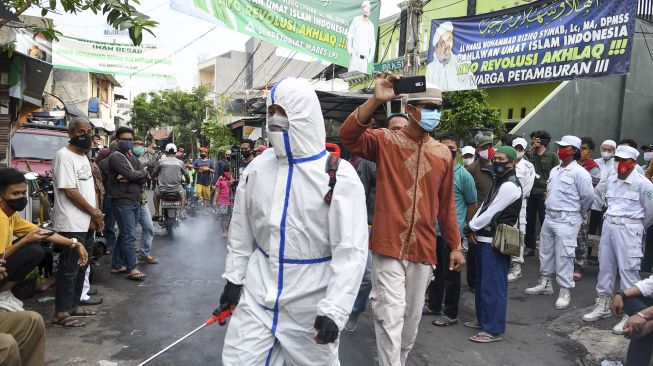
170 229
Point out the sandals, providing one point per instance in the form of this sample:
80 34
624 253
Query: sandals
68 322
137 276
473 324
81 313
148 259
119 271
444 321
485 337
578 275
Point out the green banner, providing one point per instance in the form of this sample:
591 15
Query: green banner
338 31
396 64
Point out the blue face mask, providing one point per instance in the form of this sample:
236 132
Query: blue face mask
430 119
126 145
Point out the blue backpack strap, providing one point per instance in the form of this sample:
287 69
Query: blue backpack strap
332 164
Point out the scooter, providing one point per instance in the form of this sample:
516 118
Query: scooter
170 212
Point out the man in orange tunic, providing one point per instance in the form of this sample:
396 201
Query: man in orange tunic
414 188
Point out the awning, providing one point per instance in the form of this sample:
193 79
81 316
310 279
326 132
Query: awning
100 123
72 110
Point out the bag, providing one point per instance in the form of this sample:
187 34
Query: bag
507 240
331 169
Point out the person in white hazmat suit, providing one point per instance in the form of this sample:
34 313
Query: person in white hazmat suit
298 260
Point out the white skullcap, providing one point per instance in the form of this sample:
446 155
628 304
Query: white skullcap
366 2
442 29
610 143
519 141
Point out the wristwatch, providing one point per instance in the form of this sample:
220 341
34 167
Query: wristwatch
622 294
74 244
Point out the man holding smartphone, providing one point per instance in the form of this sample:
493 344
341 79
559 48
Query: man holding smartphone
76 216
414 188
22 256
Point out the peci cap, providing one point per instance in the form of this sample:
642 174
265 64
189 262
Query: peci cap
260 148
508 150
432 94
626 152
610 143
468 150
569 140
171 148
519 141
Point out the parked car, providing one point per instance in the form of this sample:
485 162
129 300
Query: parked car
35 145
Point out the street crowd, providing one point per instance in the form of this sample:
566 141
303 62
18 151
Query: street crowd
313 238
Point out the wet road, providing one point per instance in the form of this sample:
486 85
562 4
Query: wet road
138 319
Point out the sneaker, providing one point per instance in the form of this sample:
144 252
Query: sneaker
544 287
619 328
352 322
601 310
515 272
9 302
564 298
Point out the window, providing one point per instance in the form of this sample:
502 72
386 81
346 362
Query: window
523 112
510 113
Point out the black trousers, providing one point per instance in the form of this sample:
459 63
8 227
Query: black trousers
470 264
534 208
70 275
639 350
647 261
446 284
596 222
22 262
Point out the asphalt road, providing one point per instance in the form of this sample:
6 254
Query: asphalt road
137 319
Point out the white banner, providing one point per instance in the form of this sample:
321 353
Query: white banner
146 60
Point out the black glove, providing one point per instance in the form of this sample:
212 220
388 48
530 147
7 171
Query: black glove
229 298
327 330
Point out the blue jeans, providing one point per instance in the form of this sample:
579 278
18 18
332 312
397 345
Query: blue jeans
109 223
147 232
491 288
125 251
366 287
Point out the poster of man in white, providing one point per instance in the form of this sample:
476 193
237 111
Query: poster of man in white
442 71
361 43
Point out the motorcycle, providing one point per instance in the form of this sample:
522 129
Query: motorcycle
170 212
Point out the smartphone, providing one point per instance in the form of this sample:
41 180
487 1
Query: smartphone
410 84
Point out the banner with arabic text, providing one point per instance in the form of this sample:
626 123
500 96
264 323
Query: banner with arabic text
543 41
338 31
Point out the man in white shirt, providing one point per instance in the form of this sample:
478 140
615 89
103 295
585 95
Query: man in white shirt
75 215
526 175
361 43
569 193
629 197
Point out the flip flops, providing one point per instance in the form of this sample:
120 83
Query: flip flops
68 322
485 337
473 324
444 321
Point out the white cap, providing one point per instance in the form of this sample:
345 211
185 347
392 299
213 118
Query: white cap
569 141
171 148
366 3
468 150
520 141
442 29
627 152
610 143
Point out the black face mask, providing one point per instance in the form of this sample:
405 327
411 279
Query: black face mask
500 168
83 142
203 156
246 154
17 204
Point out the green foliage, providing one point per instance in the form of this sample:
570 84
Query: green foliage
191 114
120 14
470 110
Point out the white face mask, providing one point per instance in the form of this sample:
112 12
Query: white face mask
607 155
468 161
520 154
485 154
648 156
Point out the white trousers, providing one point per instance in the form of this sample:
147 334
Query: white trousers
558 240
398 289
620 252
87 285
250 342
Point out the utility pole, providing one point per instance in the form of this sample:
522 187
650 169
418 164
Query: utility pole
413 30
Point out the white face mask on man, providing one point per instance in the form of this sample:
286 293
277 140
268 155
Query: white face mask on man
607 155
648 156
468 161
